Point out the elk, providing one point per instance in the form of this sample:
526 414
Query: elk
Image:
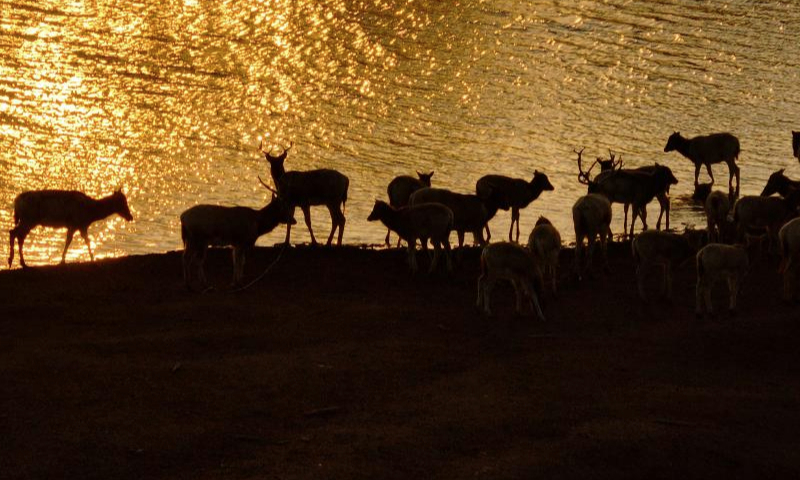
665 249
305 189
707 150
718 261
796 144
717 206
591 216
631 187
509 261
401 188
770 213
68 209
239 227
544 242
515 193
780 184
789 238
423 221
470 213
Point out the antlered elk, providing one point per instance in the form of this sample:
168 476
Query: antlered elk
668 250
707 150
470 213
591 216
545 244
308 188
425 221
515 193
789 238
716 207
239 227
400 190
779 183
509 261
634 187
717 261
72 210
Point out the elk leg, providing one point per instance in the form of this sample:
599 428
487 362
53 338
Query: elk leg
448 256
488 233
70 234
307 217
437 248
710 174
412 256
696 174
388 231
85 235
11 235
733 287
21 235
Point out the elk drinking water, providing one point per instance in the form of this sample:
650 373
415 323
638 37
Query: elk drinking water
708 150
306 189
68 209
515 193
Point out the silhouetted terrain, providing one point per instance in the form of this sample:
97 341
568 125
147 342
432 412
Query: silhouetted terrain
339 364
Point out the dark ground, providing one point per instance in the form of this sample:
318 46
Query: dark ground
339 364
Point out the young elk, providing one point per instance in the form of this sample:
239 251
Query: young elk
716 207
591 216
470 213
545 244
423 221
239 227
780 184
753 212
400 190
668 250
514 193
789 237
707 150
509 261
62 209
306 189
718 261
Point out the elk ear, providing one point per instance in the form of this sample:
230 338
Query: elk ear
535 172
431 174
781 171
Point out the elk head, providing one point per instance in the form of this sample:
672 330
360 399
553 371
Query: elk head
278 159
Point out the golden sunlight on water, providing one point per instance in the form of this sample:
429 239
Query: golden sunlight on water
170 100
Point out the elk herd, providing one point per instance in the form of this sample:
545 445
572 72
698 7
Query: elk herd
418 212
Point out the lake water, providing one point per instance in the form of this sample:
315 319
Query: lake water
170 100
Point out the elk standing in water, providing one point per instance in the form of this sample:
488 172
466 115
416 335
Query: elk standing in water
400 190
68 209
707 150
514 193
305 189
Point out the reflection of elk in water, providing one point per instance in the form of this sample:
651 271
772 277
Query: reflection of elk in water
400 190
72 210
240 227
513 193
418 222
306 189
509 261
636 187
707 150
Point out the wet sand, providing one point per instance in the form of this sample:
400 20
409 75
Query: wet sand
340 364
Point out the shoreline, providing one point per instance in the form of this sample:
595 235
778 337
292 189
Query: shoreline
340 364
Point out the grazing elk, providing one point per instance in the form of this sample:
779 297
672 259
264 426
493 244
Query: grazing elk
780 184
707 150
631 187
308 188
400 190
68 209
515 193
545 244
470 213
789 238
718 261
796 144
423 221
239 227
717 206
509 261
591 216
668 250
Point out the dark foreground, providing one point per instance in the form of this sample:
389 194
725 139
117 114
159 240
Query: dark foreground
339 364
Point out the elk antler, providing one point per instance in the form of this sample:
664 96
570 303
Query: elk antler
583 177
267 153
267 186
